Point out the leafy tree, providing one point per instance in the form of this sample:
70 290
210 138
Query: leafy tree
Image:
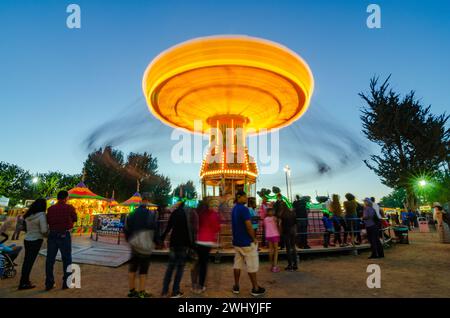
437 189
15 183
413 141
52 182
140 171
103 172
69 181
161 191
396 199
106 171
186 190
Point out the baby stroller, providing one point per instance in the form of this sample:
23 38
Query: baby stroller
7 266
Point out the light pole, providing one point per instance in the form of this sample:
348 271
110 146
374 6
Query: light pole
287 171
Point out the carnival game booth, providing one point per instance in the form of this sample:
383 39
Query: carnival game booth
87 204
109 226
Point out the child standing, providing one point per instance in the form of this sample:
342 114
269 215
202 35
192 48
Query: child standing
329 229
272 228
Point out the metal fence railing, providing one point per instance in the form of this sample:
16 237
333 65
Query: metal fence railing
315 230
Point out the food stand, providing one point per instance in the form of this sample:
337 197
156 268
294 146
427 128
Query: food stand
87 204
110 225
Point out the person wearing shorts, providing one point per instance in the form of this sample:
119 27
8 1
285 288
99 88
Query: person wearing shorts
139 263
272 226
140 220
245 245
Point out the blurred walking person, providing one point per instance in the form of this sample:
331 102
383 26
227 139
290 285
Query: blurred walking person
140 228
180 242
60 219
37 229
208 230
371 220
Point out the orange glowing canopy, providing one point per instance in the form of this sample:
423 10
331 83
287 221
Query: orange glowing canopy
264 82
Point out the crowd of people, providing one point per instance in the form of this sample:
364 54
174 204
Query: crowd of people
194 232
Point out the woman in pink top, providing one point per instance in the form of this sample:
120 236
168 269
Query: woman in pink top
208 229
272 228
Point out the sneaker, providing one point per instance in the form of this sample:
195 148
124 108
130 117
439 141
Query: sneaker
177 295
236 289
275 269
288 268
133 293
258 292
201 290
294 268
144 294
48 288
26 286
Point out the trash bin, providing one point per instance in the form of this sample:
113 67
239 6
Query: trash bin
423 225
401 233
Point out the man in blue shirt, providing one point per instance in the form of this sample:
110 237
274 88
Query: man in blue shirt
245 245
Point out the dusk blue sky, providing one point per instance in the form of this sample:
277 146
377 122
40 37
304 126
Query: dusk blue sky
58 84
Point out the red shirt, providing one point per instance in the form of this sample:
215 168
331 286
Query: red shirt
60 217
208 227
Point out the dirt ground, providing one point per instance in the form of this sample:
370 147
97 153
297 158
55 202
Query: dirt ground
421 269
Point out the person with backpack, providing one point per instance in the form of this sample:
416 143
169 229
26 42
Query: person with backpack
139 230
371 221
181 240
37 229
289 232
443 222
